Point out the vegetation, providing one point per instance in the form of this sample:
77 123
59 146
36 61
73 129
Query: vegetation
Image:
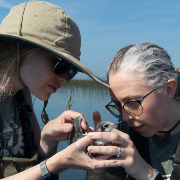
70 103
85 84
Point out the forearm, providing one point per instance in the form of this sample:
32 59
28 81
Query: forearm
33 173
46 150
92 175
55 165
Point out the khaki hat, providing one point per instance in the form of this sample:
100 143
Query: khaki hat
48 27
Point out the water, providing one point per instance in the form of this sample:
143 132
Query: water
85 100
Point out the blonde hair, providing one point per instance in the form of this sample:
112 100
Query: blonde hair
8 58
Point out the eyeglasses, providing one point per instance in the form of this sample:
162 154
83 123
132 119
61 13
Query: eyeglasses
133 108
62 66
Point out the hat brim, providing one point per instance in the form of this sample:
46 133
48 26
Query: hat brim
66 56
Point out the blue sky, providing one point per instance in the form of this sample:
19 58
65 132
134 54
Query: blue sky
108 25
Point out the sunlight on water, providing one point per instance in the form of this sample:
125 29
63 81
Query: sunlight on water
85 100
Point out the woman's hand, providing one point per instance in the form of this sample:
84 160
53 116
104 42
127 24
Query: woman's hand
57 130
74 157
129 159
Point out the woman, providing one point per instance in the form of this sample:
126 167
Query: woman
39 50
144 88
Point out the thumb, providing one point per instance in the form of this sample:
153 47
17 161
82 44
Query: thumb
67 127
96 118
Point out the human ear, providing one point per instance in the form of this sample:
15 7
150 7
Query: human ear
170 89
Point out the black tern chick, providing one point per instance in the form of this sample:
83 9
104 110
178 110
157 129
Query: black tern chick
76 133
104 126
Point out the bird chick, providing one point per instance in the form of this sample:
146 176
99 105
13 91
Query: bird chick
76 133
104 126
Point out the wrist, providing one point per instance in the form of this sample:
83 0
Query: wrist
148 174
45 173
47 149
56 164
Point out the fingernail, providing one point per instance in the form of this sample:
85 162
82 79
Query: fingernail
91 134
90 149
68 127
96 112
95 164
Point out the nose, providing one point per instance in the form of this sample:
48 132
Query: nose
126 117
64 78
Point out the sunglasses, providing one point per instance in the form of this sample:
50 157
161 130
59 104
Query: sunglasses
62 66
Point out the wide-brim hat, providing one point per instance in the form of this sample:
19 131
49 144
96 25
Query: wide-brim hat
48 27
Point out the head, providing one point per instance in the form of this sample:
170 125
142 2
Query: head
137 70
47 27
105 126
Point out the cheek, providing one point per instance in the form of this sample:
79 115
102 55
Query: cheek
156 113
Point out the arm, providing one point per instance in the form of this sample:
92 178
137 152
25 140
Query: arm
57 130
74 156
54 131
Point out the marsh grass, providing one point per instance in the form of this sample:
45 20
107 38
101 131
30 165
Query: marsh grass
70 103
85 84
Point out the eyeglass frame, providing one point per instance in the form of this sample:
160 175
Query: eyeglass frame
138 101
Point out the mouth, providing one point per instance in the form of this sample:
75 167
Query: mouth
54 89
137 128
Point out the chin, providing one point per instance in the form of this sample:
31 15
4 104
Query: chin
44 97
146 134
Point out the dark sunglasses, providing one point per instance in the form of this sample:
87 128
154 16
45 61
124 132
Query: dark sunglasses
62 66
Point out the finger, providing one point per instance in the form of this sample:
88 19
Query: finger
70 115
67 127
96 118
84 125
109 163
102 157
110 150
108 137
91 129
83 143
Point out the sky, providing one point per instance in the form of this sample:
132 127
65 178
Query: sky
106 26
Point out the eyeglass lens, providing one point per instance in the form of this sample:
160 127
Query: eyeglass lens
63 67
113 110
134 108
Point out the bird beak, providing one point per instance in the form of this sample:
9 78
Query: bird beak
113 125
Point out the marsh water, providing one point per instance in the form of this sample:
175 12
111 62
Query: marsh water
87 97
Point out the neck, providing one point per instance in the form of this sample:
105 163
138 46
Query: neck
172 120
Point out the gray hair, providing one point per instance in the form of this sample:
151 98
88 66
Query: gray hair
151 63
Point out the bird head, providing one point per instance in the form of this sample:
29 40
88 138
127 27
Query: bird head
105 126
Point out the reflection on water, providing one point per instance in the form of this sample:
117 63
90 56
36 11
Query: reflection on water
86 99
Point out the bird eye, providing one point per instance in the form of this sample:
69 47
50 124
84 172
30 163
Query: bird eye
105 125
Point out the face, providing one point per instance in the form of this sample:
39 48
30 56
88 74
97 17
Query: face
37 73
124 87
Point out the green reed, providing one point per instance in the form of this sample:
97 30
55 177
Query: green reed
85 84
70 103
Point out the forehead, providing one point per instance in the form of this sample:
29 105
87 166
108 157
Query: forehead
125 84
